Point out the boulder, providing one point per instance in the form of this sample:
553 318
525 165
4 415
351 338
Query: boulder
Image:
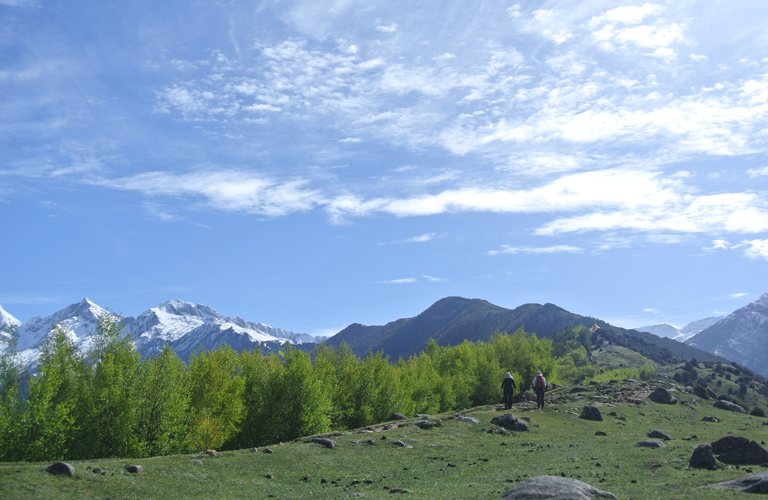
725 397
510 422
727 405
134 469
397 442
701 392
577 388
707 418
750 454
210 453
591 413
754 483
651 444
662 396
61 468
397 416
702 457
471 420
601 433
426 424
729 443
659 435
328 443
555 488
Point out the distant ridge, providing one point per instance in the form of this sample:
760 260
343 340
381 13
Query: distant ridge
452 320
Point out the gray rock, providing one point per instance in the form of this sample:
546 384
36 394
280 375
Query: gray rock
398 490
662 396
197 462
755 483
702 457
701 392
267 450
651 444
601 433
707 418
659 435
577 388
591 413
471 420
555 488
727 405
510 422
729 443
426 425
397 416
134 469
725 397
500 430
61 468
397 442
328 443
751 454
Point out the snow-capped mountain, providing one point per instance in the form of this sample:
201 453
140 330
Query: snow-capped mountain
742 336
7 322
681 334
183 325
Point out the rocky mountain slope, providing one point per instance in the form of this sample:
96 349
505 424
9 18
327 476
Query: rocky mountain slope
742 336
183 325
452 320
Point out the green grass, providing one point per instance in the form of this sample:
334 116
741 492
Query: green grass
612 357
482 465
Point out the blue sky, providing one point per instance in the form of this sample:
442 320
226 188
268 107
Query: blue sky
309 164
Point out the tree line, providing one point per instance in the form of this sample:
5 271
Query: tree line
106 401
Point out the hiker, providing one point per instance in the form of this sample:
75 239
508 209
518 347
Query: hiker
508 386
539 384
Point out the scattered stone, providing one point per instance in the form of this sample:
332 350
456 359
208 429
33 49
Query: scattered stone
750 454
527 419
725 397
267 450
269 476
471 420
707 418
635 401
591 413
499 430
422 416
631 380
755 483
510 422
727 405
61 468
701 392
426 425
134 469
400 443
702 457
255 450
210 453
197 462
662 396
659 435
328 443
601 433
397 416
371 441
651 444
555 488
577 388
398 490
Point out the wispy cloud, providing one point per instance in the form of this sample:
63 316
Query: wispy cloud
27 298
552 249
400 281
737 295
651 311
432 279
756 249
423 238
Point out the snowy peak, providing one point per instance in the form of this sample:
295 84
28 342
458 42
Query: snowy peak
681 334
182 308
80 319
6 320
662 330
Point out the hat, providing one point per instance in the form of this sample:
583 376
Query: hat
538 373
508 375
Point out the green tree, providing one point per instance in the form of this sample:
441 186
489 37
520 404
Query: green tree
12 378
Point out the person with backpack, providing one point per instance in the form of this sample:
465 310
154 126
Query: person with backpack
539 384
508 386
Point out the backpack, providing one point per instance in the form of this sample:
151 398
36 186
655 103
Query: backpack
539 381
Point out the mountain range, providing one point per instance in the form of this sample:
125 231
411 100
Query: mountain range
742 336
183 325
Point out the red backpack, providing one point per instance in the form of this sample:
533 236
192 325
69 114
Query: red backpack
539 381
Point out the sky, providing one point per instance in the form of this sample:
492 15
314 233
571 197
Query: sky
312 164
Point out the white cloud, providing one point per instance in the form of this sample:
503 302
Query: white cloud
352 140
546 250
737 295
229 190
698 57
757 172
757 248
423 238
432 279
651 311
401 281
387 29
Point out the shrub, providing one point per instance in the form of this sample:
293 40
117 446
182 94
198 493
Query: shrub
757 412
